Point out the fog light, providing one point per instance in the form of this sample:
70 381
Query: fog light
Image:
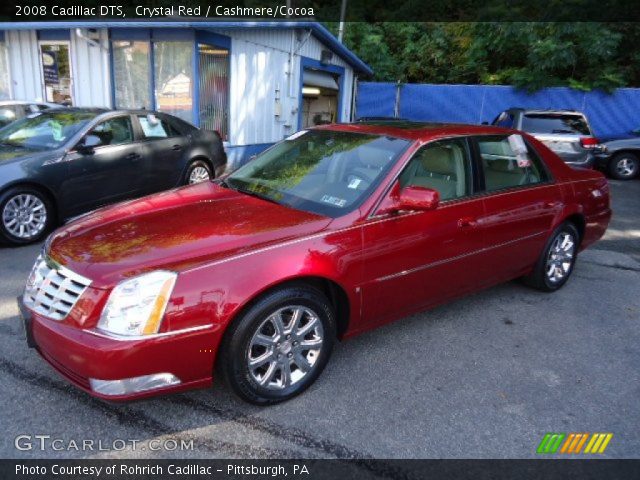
133 385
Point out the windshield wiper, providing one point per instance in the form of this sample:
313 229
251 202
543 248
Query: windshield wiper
10 144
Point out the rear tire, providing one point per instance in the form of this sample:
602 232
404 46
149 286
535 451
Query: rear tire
198 171
556 262
279 346
26 215
624 166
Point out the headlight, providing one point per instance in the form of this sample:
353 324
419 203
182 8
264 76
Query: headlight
136 306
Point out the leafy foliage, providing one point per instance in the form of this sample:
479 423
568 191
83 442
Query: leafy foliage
529 55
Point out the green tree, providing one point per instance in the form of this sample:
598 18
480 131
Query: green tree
529 55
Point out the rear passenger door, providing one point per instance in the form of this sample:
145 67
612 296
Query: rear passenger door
164 147
520 203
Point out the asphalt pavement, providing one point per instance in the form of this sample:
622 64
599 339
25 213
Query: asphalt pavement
483 377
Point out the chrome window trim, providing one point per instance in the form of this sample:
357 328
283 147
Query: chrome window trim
131 338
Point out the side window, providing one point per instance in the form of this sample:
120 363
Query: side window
155 127
115 131
444 166
505 120
503 168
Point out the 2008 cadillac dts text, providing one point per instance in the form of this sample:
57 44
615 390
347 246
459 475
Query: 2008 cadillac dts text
327 234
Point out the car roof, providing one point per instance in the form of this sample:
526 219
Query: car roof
26 102
414 130
543 111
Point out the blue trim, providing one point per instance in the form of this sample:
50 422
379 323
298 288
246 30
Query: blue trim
54 34
130 33
152 76
311 64
319 31
195 85
172 35
213 39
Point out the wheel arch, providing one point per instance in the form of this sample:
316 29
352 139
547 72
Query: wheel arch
579 221
334 292
195 158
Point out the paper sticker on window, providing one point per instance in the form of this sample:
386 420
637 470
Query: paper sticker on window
338 202
354 182
516 142
56 131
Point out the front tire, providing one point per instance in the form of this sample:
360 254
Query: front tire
26 215
556 262
624 166
279 346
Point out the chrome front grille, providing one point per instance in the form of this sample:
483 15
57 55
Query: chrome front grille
52 290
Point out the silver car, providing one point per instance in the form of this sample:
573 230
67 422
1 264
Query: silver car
566 132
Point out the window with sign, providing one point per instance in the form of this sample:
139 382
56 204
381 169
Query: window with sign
508 162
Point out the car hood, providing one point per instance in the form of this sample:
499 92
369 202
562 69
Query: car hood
9 153
174 230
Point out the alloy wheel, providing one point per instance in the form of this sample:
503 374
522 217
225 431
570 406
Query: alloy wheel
560 258
24 216
198 174
626 167
285 348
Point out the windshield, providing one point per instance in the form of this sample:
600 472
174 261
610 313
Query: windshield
44 131
320 171
549 123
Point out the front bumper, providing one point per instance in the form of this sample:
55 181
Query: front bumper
80 356
602 160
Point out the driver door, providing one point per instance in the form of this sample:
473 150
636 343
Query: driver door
413 260
107 172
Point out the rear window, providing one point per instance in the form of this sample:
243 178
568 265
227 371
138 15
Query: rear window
548 123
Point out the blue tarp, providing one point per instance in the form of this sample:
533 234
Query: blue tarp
609 114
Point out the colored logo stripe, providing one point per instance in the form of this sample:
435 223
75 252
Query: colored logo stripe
550 442
598 443
574 442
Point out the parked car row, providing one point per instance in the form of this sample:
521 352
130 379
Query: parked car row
58 163
568 134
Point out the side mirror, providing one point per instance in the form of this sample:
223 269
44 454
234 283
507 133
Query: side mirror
411 198
88 143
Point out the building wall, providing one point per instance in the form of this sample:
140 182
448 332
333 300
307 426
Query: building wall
259 66
24 65
91 70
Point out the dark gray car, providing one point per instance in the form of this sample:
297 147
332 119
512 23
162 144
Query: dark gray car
566 132
620 156
62 163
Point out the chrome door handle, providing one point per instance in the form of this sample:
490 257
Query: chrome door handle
467 222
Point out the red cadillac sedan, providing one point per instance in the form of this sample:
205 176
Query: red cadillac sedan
327 234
